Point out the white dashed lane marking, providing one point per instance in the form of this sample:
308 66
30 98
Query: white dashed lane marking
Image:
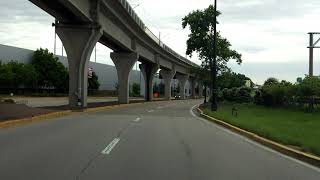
110 146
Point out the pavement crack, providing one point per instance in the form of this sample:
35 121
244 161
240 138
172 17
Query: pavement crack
87 165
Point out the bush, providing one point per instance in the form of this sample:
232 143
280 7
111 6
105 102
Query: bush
135 90
240 95
93 82
51 72
14 75
275 93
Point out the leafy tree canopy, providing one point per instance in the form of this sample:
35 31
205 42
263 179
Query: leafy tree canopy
201 23
52 73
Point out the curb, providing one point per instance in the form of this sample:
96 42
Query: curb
305 157
88 110
16 122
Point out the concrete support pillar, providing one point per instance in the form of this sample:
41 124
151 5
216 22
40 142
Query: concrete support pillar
79 42
124 63
193 88
148 71
182 80
167 76
200 84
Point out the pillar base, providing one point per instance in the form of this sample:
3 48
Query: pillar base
124 63
79 42
148 70
182 78
167 76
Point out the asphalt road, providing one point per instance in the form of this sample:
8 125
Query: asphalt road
153 141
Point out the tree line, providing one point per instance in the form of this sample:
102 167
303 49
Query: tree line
305 93
44 73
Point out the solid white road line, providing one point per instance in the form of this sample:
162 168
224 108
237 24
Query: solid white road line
150 110
109 148
253 142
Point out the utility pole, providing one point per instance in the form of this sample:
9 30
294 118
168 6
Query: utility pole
311 47
55 42
214 106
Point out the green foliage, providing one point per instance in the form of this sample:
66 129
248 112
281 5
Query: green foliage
275 93
230 79
44 72
287 126
93 82
271 81
201 23
51 72
14 74
135 90
240 95
310 86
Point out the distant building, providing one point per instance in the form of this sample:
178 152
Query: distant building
107 74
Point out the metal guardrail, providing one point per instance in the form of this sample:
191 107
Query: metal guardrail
136 18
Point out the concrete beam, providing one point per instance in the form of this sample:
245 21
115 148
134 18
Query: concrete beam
79 42
124 63
148 71
182 78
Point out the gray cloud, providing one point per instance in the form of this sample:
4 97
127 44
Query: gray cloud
16 11
21 22
232 10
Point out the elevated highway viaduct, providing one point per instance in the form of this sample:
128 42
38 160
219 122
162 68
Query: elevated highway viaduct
80 24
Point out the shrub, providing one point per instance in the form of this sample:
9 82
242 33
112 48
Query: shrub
93 82
51 72
240 95
135 90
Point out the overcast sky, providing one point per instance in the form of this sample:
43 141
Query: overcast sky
271 35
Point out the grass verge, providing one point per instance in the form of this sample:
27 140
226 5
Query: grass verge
290 127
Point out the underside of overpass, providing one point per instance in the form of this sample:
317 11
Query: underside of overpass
80 24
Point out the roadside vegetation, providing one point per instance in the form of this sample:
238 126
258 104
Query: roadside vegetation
285 125
45 75
279 110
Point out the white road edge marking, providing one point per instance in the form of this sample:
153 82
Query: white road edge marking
254 143
137 120
110 146
150 110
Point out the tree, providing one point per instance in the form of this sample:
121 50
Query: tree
310 88
229 79
51 72
135 90
271 81
93 82
6 76
202 72
14 75
201 24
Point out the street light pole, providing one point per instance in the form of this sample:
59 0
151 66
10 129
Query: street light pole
214 106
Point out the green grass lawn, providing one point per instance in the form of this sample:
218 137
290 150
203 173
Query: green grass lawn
287 126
